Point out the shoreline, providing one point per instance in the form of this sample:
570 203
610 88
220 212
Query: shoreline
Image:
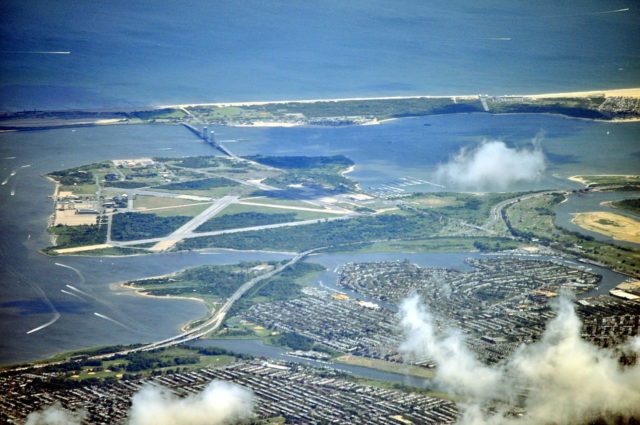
591 221
633 92
142 293
628 92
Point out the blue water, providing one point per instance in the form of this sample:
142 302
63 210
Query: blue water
257 348
30 279
415 147
127 53
580 202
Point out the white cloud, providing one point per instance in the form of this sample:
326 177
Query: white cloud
492 166
570 381
220 403
55 415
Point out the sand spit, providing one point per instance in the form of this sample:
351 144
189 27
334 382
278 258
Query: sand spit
634 92
616 226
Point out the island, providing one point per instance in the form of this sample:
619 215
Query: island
621 105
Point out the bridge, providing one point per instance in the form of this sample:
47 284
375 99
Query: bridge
200 135
216 319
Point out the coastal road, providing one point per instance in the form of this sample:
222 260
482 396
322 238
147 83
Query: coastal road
496 214
215 321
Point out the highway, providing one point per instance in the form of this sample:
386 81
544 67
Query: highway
215 321
496 211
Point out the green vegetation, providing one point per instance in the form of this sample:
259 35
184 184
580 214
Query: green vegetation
468 207
186 211
79 175
247 219
435 244
321 172
113 251
81 369
84 353
238 216
611 182
276 198
80 189
578 107
210 283
316 212
204 184
73 177
215 283
130 226
293 341
533 220
387 366
72 236
126 184
327 163
204 162
285 285
632 205
404 388
159 114
326 112
150 202
301 238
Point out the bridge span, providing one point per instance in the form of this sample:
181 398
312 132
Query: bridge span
201 134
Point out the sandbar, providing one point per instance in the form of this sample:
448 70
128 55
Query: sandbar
633 92
82 248
616 226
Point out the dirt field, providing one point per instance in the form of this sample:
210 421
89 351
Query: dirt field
70 218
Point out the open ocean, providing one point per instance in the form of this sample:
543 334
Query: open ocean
131 53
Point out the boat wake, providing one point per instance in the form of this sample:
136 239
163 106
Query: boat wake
102 316
56 316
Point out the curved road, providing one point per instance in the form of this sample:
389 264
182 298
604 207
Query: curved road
215 321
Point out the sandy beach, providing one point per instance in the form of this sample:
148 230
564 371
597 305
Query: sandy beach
630 92
633 92
141 291
581 178
616 226
268 124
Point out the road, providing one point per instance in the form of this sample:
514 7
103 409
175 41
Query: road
496 211
215 321
145 192
243 229
187 229
255 184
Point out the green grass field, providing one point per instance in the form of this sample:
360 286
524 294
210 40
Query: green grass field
143 201
299 215
435 245
280 201
187 210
